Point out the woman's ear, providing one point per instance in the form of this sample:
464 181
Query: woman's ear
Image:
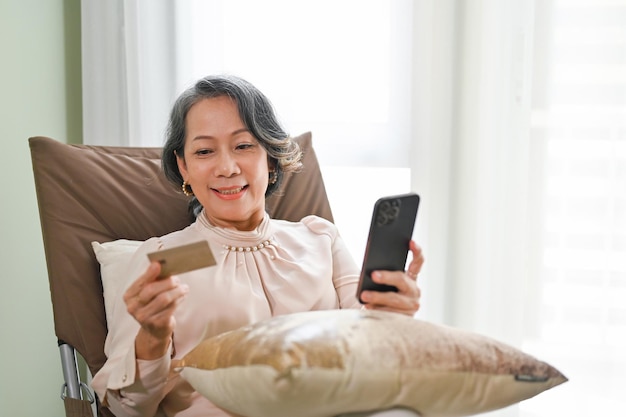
273 175
271 164
182 165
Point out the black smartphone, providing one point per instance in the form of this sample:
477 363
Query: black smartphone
387 245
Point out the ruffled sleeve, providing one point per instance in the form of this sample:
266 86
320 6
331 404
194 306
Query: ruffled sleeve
345 270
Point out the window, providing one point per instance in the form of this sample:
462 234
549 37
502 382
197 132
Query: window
579 148
447 82
312 58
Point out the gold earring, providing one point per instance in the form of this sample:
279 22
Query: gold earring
187 189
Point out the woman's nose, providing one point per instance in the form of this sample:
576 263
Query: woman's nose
227 165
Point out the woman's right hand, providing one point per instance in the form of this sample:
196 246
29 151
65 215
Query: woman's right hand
152 302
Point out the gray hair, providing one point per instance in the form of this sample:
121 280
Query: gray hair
257 115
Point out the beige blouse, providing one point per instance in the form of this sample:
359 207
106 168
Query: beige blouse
304 266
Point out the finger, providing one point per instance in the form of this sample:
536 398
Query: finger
406 300
417 260
406 287
407 312
160 326
156 294
150 274
396 279
391 301
159 288
158 313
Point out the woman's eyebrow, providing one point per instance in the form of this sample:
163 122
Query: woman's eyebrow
234 133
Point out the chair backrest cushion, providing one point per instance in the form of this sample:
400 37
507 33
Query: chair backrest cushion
98 193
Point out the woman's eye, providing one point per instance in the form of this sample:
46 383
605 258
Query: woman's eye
244 146
203 152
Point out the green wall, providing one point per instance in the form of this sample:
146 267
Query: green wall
40 95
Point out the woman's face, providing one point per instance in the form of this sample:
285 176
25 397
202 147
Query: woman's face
225 165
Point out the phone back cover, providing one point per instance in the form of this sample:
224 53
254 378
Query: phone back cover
391 230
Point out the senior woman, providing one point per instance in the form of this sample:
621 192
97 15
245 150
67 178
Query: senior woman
226 149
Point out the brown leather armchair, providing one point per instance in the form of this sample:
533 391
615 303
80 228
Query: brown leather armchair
97 193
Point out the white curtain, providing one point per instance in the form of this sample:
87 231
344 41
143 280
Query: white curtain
442 97
128 69
471 84
578 152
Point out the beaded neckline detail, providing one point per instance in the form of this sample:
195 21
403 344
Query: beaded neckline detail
254 248
240 238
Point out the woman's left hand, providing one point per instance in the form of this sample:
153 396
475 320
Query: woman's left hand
407 299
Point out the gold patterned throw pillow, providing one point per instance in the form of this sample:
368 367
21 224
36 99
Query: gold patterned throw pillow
325 363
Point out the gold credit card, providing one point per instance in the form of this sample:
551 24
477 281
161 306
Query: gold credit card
183 258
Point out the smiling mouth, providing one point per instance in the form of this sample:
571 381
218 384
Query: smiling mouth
230 191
